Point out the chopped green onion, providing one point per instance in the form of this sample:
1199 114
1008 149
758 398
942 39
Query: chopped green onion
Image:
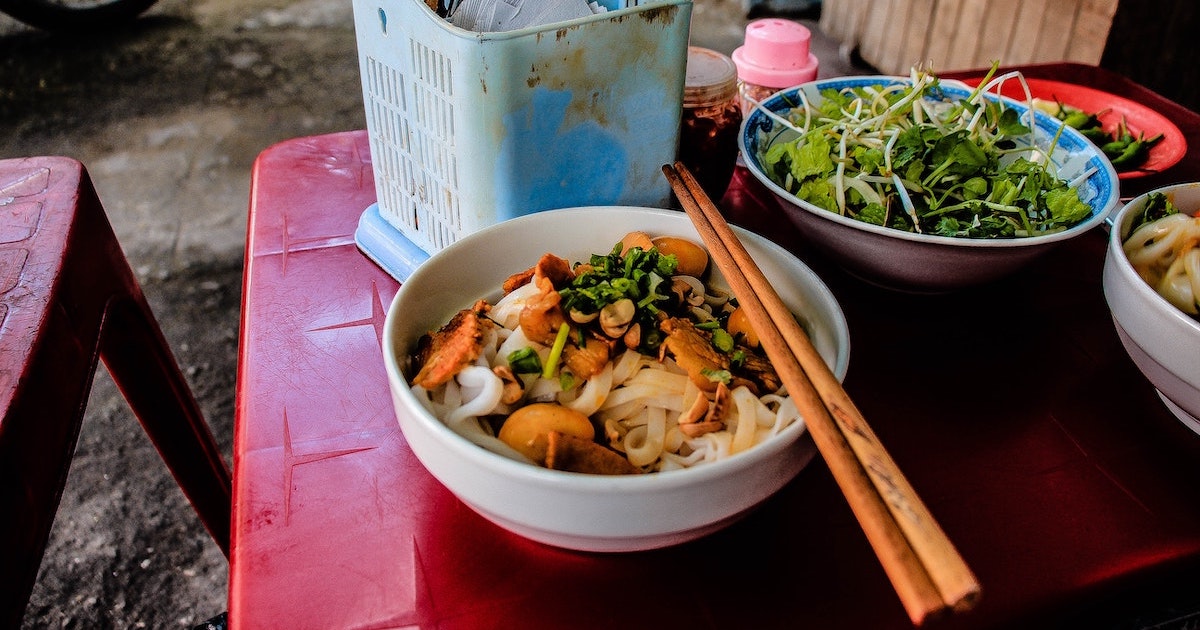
525 361
722 340
560 341
738 359
717 376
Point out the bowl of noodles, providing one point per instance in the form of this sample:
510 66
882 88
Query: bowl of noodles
580 377
925 185
1152 284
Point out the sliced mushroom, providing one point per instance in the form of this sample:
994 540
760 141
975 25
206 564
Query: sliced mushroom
716 297
615 318
694 294
580 317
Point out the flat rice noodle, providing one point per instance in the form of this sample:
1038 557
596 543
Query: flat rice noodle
644 444
647 395
747 406
507 311
594 392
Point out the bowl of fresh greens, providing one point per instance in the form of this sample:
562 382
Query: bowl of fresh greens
926 185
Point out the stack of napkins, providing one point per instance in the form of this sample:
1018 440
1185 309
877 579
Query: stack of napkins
511 15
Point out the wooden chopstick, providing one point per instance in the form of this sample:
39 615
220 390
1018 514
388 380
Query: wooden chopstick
924 567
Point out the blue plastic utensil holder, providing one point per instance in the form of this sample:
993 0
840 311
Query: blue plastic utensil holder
468 129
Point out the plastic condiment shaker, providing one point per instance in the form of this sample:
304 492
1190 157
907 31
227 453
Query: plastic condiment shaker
712 117
775 55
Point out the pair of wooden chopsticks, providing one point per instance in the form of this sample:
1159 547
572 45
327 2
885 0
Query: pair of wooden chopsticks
929 575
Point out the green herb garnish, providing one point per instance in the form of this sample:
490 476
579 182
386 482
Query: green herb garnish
524 361
560 342
908 157
1158 205
639 275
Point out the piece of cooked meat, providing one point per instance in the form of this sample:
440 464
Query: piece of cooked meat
576 454
542 314
693 351
454 346
517 280
588 361
758 369
549 266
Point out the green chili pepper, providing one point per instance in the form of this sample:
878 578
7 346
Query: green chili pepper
1116 147
1081 120
1135 152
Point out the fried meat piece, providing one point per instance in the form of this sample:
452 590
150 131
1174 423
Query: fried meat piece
758 369
589 360
693 351
549 266
518 280
576 454
542 314
444 353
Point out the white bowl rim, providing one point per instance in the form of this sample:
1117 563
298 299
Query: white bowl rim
606 484
929 239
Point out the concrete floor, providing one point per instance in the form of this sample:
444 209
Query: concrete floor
168 115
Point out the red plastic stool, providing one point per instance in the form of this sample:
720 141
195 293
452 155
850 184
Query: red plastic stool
68 298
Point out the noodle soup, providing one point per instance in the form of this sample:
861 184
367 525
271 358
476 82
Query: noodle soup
1164 248
592 512
1149 284
623 363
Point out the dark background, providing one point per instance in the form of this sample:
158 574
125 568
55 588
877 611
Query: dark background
1157 44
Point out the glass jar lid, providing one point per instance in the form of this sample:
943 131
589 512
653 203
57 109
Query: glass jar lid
711 78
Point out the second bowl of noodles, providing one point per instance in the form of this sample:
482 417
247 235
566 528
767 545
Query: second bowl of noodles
1152 285
680 478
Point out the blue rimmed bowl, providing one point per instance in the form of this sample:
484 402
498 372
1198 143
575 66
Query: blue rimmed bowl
926 263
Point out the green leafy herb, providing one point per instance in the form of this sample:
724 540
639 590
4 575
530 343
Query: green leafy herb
1158 205
639 275
908 157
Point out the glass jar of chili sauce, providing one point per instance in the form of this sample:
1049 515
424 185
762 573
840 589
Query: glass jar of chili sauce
712 117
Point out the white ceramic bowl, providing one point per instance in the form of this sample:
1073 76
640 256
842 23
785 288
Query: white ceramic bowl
572 510
1162 340
924 263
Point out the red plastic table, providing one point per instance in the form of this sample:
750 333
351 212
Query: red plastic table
1044 454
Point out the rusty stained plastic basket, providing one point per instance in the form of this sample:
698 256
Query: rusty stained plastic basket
468 129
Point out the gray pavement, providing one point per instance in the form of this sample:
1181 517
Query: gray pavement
168 115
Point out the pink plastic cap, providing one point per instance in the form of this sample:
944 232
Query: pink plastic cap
776 54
